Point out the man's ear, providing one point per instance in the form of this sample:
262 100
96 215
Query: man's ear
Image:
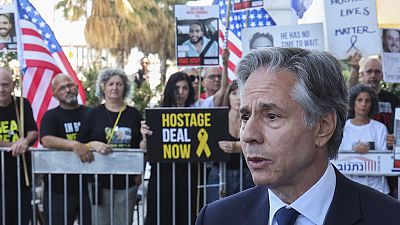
325 128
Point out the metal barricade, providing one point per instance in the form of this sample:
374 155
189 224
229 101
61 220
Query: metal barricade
14 197
373 163
119 162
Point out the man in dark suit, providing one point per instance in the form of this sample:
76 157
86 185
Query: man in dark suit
293 110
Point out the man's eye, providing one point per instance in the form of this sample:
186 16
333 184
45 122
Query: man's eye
244 117
271 116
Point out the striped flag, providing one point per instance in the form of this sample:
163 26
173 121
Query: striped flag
254 17
43 59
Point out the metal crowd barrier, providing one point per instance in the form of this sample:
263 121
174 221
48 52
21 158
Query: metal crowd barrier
45 161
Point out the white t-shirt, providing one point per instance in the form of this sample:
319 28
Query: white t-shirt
205 103
374 133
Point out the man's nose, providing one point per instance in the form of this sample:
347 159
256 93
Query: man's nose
251 132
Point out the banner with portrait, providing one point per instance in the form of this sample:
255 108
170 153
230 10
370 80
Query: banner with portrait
308 36
8 31
197 35
186 134
352 26
391 55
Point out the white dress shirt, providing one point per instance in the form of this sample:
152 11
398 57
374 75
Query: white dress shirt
313 205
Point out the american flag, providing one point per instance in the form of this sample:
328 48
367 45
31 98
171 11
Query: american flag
256 18
43 59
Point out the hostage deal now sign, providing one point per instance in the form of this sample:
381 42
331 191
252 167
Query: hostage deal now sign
186 134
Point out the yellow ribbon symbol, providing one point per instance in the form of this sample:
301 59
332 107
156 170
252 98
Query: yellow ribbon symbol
203 146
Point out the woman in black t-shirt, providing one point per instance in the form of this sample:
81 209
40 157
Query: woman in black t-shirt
106 127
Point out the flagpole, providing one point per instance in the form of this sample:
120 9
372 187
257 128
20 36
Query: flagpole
19 76
228 14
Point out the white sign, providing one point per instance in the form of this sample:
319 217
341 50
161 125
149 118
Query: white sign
373 163
308 36
197 35
352 26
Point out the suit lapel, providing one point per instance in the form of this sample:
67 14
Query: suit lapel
257 208
345 208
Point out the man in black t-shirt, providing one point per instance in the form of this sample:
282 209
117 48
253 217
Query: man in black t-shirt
59 129
10 138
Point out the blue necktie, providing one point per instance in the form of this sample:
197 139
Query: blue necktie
286 216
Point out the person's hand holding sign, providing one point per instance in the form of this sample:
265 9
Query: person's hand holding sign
144 130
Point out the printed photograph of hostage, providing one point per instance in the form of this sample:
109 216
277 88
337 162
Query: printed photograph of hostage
8 38
391 40
197 42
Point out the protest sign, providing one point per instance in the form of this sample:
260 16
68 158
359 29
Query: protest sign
197 35
247 4
8 34
391 55
352 26
308 36
187 134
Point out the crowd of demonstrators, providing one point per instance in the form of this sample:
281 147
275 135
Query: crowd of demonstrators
109 126
236 166
15 183
58 130
293 111
370 72
362 133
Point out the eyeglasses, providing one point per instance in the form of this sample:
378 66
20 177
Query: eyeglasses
213 76
193 77
373 71
64 87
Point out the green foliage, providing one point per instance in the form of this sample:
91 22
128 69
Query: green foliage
90 86
141 96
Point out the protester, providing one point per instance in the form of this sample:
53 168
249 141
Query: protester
194 77
17 190
293 110
142 75
372 76
109 126
58 131
198 45
234 168
178 92
362 134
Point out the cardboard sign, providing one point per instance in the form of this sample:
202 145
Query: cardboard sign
352 26
186 134
308 36
197 35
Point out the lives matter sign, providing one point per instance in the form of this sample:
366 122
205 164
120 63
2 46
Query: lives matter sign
186 134
352 26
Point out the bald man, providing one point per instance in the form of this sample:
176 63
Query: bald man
17 145
58 130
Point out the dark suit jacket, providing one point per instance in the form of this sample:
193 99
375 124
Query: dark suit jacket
352 204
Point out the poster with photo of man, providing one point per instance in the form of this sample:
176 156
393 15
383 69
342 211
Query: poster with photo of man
197 35
8 36
308 36
391 55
